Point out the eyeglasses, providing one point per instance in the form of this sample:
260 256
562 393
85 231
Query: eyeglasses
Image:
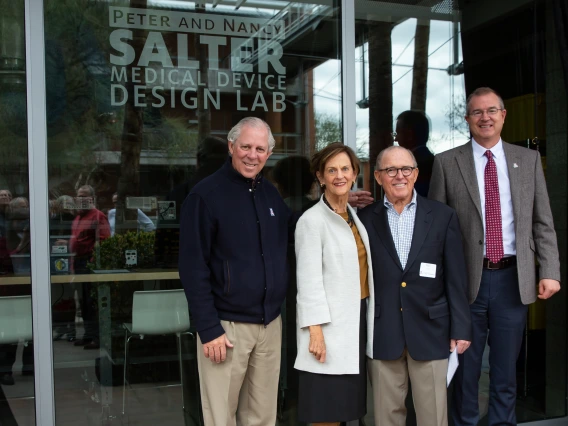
393 171
479 112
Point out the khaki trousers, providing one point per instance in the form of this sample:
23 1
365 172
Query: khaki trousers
390 387
242 390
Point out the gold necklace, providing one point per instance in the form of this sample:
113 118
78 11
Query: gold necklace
350 220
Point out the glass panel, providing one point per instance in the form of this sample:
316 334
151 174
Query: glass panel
426 58
407 57
533 86
16 348
139 103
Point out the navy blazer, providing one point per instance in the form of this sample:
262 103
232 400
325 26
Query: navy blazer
413 311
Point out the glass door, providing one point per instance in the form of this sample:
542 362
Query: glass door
16 340
140 99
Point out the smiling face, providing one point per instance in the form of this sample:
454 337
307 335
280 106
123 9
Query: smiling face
338 175
398 189
5 196
84 201
250 151
486 129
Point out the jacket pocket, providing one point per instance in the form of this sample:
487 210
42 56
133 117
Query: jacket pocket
437 311
227 273
531 244
434 243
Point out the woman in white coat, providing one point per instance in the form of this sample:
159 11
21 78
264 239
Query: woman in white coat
335 297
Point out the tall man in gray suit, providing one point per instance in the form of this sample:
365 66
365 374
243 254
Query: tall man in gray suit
499 193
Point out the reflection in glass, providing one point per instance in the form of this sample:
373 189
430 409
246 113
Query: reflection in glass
405 95
138 113
16 348
425 58
404 59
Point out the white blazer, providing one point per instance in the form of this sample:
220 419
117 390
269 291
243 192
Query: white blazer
329 290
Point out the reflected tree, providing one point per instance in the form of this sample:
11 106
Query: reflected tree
420 69
455 117
132 136
79 119
83 125
328 130
203 114
457 126
13 122
380 89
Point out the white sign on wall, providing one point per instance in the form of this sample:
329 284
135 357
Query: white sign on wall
254 44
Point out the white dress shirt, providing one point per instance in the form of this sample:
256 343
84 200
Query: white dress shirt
507 218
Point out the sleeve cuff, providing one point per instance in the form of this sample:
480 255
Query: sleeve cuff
211 333
314 316
548 275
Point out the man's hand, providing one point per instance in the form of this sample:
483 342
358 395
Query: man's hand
360 199
317 343
216 349
462 345
547 288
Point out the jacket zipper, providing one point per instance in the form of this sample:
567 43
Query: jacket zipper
228 277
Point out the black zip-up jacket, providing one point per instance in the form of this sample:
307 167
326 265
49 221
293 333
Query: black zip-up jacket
232 256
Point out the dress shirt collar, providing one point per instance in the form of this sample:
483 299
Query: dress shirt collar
390 205
479 151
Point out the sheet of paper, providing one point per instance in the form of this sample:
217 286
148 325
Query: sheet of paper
428 270
452 366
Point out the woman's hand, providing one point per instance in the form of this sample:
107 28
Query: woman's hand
317 342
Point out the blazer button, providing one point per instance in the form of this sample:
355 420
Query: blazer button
480 242
403 284
400 309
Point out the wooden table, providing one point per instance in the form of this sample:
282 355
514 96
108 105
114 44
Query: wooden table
95 278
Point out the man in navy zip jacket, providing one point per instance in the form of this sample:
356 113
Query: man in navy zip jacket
232 263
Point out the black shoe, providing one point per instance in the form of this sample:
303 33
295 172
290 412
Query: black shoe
82 342
7 380
71 338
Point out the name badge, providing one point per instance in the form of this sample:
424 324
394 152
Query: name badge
428 270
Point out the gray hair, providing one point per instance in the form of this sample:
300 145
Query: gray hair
64 202
88 188
7 191
255 122
480 91
391 148
19 208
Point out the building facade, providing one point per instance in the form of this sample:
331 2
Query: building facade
110 111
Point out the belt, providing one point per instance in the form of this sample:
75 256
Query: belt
505 262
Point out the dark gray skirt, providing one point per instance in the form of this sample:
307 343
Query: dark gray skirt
332 397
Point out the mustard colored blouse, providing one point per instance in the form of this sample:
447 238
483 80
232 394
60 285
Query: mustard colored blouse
363 266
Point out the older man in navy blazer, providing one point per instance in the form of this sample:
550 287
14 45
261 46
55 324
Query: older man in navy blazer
499 193
421 308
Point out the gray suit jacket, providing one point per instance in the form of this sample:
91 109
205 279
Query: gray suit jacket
454 182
